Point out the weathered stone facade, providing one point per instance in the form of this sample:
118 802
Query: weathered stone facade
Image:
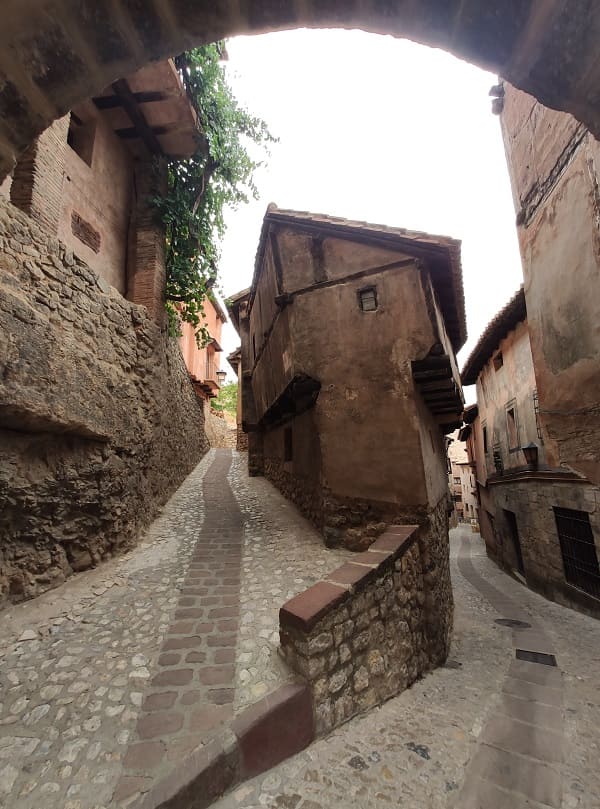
241 439
523 505
554 167
533 499
375 625
340 311
305 493
98 420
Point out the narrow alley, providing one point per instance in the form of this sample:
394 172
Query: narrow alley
111 680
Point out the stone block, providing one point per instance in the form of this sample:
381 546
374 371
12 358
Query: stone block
320 643
304 610
539 782
528 740
337 680
350 575
361 679
361 641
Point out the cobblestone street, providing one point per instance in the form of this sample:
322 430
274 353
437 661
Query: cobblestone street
108 681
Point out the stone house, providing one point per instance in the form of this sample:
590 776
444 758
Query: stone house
203 362
461 481
538 519
349 378
554 167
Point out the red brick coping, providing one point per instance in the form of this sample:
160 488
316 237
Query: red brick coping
305 610
274 728
282 723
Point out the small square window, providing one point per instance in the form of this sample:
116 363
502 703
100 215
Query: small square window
498 361
81 136
367 299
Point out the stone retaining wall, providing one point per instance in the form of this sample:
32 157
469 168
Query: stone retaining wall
374 626
98 420
350 522
305 494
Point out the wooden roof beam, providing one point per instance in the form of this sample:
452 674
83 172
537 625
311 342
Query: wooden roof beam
137 117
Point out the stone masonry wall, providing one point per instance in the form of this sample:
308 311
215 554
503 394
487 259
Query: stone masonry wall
374 626
302 492
351 522
532 501
98 420
241 440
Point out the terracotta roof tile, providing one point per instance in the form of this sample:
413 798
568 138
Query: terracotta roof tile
499 326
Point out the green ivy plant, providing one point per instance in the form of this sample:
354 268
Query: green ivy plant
226 399
201 187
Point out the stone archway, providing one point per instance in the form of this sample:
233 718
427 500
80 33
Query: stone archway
55 53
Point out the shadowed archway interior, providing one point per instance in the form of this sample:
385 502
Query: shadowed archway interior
55 53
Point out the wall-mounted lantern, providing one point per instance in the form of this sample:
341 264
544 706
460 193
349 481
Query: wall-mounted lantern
221 377
531 455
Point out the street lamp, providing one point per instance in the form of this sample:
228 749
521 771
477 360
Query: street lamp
531 455
221 377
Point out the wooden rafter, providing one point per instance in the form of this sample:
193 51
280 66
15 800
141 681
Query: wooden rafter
136 116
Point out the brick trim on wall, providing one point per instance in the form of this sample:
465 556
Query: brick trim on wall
364 634
38 177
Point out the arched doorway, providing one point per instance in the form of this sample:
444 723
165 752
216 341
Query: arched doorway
55 55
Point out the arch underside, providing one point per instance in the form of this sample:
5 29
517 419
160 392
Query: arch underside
56 53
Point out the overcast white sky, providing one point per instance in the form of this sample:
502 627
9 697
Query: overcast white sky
382 130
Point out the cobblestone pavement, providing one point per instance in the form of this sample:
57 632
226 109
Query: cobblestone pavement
428 746
282 556
108 680
76 662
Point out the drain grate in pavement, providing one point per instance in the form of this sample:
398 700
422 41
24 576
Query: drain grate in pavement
512 622
536 657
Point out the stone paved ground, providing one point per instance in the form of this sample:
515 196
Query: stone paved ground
107 681
415 750
86 669
76 662
282 556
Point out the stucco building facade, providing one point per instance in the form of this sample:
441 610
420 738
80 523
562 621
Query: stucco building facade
462 482
90 177
554 167
538 519
349 377
204 361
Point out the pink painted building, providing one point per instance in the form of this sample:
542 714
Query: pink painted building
204 364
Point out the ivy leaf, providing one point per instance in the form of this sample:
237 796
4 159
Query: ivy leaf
219 175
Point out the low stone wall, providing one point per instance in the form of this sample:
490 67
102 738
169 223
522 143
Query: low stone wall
98 420
352 523
373 627
306 496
